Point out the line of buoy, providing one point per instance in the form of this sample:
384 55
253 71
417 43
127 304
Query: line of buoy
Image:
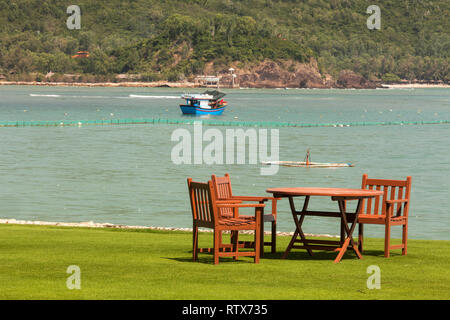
63 123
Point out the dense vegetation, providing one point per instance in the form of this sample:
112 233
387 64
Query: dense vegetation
175 39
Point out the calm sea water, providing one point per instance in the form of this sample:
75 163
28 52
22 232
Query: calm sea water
124 174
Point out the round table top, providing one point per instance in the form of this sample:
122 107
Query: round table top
330 192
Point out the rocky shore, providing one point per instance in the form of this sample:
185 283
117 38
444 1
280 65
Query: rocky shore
265 74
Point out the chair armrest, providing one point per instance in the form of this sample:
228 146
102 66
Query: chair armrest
249 198
228 201
240 205
390 206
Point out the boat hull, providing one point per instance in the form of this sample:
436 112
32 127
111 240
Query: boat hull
200 111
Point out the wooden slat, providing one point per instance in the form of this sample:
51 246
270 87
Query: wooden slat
198 204
383 208
224 248
203 205
377 201
241 254
392 197
369 203
396 246
386 182
399 205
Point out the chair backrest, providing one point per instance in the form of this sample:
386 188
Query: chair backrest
222 186
392 190
222 191
202 202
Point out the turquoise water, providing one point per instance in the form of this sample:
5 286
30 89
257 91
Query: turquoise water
124 174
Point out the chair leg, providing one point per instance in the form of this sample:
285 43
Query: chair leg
217 235
274 226
360 237
235 242
274 237
405 239
258 234
195 243
387 240
261 239
257 245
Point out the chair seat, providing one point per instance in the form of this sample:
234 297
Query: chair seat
236 222
377 218
371 218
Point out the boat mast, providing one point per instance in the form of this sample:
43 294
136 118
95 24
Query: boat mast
307 160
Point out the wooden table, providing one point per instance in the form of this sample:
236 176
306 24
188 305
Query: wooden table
337 194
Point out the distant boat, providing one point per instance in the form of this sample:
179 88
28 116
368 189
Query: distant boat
209 102
307 163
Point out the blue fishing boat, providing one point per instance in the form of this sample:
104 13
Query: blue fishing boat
209 102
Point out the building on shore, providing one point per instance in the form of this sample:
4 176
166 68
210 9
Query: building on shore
207 81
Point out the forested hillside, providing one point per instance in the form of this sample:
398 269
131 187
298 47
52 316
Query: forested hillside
173 40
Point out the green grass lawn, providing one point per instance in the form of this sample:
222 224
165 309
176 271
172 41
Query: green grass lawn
136 264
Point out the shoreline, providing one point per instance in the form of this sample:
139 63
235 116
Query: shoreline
106 225
190 85
415 86
159 84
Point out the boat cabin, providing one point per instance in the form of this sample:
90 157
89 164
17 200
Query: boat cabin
204 101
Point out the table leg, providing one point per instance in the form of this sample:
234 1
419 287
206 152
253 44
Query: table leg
298 224
349 231
261 237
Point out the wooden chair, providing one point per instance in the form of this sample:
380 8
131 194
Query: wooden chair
222 189
205 213
392 210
